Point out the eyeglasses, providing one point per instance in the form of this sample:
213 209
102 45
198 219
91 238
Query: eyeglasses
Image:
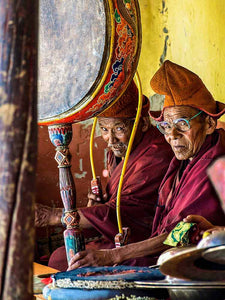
180 124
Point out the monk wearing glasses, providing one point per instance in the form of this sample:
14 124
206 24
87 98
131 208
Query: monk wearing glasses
188 122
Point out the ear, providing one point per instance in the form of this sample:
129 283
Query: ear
145 124
210 125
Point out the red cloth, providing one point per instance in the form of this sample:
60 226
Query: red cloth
146 167
194 194
216 174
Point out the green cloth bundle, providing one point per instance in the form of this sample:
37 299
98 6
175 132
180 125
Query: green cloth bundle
183 234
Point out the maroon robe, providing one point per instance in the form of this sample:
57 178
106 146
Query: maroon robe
146 167
194 193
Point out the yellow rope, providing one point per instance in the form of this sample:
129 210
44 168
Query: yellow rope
138 115
91 148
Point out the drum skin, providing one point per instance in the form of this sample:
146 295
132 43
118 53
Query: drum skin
88 55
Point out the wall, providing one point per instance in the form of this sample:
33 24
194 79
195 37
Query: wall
190 33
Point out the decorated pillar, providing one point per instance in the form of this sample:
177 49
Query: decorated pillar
61 136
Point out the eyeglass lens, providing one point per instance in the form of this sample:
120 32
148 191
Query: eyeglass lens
179 124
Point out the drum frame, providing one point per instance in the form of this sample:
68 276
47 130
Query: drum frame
122 59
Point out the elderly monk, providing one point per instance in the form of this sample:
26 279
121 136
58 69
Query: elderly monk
188 122
147 164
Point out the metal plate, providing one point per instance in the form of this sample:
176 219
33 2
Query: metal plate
191 265
216 254
180 284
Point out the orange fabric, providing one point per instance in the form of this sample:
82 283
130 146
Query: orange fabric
126 105
183 87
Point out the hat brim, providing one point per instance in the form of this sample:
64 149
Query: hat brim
158 116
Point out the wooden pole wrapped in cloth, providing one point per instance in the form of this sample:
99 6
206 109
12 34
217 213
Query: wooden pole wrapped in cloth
18 139
89 52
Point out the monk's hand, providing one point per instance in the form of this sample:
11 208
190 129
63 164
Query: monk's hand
45 215
93 199
215 229
92 258
203 224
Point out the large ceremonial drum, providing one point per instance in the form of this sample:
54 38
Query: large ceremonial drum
88 54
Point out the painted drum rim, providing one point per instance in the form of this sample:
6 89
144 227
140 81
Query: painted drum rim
95 104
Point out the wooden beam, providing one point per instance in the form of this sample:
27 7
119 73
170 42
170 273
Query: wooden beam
18 140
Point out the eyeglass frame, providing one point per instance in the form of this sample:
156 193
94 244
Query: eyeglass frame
176 121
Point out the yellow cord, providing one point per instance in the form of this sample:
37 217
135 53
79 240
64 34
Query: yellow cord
137 118
91 148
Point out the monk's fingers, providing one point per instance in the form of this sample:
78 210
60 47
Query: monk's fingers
105 197
77 258
194 219
90 203
92 258
92 196
78 264
201 221
215 229
84 259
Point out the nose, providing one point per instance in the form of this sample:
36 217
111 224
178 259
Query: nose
112 138
174 133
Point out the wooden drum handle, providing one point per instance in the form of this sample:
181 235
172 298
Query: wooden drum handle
61 136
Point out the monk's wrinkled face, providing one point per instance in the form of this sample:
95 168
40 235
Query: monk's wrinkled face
186 144
116 133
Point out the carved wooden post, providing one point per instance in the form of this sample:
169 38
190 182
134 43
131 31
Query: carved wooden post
18 146
61 136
